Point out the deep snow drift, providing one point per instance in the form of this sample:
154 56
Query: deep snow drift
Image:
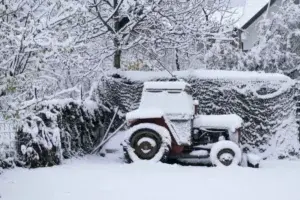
96 178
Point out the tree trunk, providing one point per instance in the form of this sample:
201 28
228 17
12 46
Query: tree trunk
177 60
117 59
118 52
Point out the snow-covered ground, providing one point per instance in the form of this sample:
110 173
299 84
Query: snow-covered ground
99 178
108 178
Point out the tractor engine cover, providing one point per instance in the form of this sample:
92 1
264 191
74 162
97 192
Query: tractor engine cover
211 128
230 122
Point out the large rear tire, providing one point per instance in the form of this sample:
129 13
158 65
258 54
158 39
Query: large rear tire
225 153
147 142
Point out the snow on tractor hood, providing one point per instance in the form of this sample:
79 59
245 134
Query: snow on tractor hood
230 122
144 114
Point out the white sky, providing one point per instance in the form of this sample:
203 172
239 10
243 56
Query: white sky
238 2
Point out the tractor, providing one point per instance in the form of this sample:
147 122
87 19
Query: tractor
167 126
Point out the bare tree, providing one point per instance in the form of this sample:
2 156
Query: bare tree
152 27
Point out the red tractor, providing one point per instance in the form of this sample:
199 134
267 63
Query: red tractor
167 126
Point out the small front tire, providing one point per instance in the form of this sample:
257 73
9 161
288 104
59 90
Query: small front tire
225 153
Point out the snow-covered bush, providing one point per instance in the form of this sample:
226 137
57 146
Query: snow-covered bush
57 130
224 56
264 101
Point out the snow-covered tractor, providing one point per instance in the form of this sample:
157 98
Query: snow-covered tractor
167 127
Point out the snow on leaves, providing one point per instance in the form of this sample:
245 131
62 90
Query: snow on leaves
278 49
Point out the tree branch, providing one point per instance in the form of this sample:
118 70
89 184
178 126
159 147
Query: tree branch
102 20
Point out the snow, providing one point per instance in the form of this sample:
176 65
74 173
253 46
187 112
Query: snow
144 114
253 159
230 122
167 101
115 142
23 149
165 85
283 88
199 153
149 140
226 156
206 75
88 105
95 178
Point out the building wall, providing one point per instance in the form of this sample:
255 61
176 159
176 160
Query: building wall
250 35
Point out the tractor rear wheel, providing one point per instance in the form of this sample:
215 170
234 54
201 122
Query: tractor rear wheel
147 144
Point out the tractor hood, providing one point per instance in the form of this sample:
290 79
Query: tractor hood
230 122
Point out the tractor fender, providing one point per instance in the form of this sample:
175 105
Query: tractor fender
144 114
154 116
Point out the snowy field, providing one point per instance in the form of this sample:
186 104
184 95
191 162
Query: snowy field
96 178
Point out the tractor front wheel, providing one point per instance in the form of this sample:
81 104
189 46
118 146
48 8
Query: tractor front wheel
225 153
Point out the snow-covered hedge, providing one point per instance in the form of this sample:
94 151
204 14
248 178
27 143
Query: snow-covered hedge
264 101
57 130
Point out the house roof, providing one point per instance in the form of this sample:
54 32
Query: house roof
253 11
